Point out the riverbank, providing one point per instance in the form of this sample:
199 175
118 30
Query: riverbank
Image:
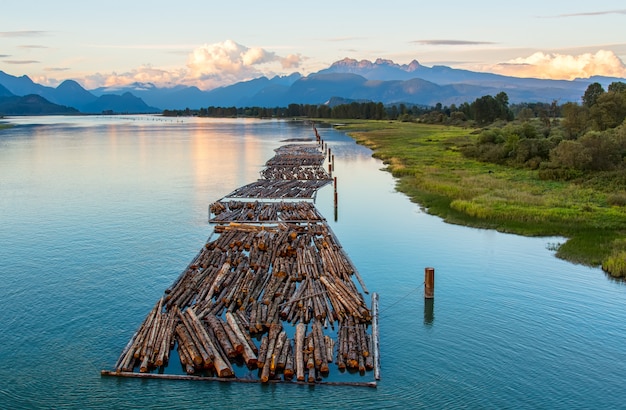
430 169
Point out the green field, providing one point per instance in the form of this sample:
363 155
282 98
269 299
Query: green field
431 170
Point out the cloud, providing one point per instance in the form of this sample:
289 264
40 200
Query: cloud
23 33
21 61
342 39
450 42
56 69
5 55
143 74
31 46
227 62
207 67
563 66
291 61
592 13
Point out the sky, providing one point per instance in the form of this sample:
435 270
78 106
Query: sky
215 43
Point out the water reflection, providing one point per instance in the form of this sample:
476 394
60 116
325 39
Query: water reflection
429 311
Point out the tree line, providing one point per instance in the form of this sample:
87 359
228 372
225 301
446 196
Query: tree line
482 111
571 140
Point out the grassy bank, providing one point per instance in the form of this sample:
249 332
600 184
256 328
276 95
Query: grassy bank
431 170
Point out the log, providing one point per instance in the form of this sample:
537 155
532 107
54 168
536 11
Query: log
369 360
109 373
166 341
235 341
278 348
310 363
262 352
203 337
319 349
281 360
248 354
185 359
221 336
194 337
299 349
189 346
375 336
275 330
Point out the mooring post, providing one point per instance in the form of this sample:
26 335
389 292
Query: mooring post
332 161
429 283
329 154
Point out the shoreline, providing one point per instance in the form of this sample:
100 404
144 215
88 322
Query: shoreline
430 179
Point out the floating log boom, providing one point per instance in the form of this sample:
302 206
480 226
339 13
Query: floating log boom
271 259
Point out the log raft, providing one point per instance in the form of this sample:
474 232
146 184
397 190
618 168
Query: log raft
267 263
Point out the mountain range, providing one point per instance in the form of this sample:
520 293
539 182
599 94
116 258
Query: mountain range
345 80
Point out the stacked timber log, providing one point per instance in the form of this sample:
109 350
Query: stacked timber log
239 211
295 172
280 189
266 264
297 155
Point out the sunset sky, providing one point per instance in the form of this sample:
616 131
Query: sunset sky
210 44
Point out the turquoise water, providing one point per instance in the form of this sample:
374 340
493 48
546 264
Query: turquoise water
98 216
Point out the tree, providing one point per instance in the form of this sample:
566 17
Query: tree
575 120
570 154
609 110
525 114
617 87
593 92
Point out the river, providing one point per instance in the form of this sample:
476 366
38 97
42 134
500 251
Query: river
99 215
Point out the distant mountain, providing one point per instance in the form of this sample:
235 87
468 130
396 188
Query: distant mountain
116 104
70 93
348 79
4 92
380 69
180 97
23 85
32 104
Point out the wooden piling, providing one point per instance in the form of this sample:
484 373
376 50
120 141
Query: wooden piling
429 283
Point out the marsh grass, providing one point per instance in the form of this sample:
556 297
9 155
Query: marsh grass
431 170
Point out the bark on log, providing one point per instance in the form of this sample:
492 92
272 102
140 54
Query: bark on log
262 352
221 336
298 352
248 354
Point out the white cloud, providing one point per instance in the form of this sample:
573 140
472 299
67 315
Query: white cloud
207 67
143 74
563 66
291 61
213 65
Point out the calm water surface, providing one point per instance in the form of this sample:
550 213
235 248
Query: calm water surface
98 216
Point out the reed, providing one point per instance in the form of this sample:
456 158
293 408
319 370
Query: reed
430 169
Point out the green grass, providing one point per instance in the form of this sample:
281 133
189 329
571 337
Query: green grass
430 169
